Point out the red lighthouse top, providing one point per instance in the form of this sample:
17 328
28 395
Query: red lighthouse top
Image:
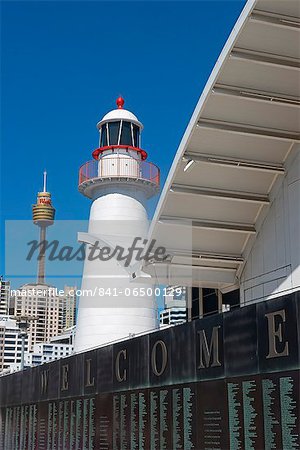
119 157
120 102
119 129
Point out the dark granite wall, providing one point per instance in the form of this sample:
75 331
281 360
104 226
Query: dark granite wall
229 381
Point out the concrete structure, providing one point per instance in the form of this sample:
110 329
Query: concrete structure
220 383
119 181
4 296
10 344
234 185
43 353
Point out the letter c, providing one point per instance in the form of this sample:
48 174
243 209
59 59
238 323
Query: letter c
120 377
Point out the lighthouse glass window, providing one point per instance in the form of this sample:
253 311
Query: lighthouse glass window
136 136
126 137
113 132
103 141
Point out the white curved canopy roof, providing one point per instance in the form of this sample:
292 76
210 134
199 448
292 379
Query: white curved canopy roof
235 150
120 114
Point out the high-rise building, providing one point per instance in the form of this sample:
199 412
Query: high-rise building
175 296
10 344
4 296
43 353
174 311
59 346
53 312
2 344
172 316
66 337
69 307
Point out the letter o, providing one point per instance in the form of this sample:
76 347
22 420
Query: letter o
120 377
164 358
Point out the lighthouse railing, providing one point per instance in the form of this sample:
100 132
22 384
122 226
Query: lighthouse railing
119 166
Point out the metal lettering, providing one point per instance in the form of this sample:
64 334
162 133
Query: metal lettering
273 334
44 381
164 358
211 350
120 377
64 377
88 382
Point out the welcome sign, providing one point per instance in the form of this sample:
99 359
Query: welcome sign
228 381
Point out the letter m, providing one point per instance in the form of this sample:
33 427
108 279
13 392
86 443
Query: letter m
44 381
209 354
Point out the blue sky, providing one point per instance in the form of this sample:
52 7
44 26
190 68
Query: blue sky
65 63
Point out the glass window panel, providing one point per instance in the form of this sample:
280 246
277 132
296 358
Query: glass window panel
126 134
136 136
113 132
103 142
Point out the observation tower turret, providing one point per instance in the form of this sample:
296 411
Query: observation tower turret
43 216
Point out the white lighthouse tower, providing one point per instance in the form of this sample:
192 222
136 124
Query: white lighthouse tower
119 181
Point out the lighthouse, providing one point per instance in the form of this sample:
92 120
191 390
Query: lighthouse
119 181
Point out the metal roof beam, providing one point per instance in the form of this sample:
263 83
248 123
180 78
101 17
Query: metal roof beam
210 256
232 162
246 129
209 224
204 255
265 58
254 94
275 19
193 266
170 273
220 193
